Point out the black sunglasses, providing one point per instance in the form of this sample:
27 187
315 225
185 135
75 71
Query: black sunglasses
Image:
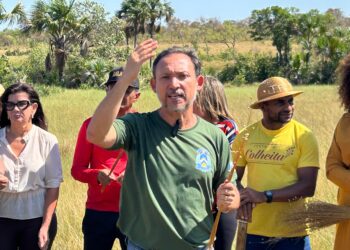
21 105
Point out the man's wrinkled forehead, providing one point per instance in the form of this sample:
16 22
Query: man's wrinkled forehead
175 62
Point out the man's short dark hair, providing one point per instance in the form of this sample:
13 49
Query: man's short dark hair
179 50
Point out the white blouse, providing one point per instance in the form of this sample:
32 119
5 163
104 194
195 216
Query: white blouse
37 167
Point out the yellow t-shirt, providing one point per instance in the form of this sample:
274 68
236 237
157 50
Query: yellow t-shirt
272 158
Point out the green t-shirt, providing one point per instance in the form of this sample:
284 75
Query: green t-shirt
167 191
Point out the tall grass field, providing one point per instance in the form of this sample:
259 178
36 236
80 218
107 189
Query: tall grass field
318 108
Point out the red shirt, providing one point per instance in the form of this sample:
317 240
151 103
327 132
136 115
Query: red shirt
88 160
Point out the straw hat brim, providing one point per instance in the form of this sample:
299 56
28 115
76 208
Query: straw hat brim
256 105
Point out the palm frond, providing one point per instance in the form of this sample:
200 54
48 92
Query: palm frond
16 15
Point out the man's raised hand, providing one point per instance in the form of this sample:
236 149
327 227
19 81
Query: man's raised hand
141 54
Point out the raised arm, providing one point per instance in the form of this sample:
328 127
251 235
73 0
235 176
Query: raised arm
100 131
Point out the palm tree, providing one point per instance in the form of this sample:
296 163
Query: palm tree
141 15
156 11
58 19
134 12
17 15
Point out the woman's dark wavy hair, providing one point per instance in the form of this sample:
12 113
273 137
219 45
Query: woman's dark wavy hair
344 80
39 116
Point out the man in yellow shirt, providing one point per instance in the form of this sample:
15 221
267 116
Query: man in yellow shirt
281 156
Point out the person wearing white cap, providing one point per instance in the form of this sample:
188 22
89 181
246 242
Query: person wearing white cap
281 156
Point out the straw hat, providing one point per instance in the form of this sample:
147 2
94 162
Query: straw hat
273 88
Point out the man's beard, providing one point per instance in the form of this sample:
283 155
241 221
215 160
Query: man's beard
280 119
180 109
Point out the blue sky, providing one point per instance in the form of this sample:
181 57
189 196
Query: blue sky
220 9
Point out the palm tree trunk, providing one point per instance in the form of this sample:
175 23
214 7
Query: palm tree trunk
60 62
135 35
151 35
48 64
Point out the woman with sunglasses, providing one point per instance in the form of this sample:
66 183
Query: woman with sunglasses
30 172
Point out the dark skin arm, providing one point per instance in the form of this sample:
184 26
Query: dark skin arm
245 210
304 187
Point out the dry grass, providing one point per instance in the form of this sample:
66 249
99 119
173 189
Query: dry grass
242 47
315 215
12 48
214 49
318 108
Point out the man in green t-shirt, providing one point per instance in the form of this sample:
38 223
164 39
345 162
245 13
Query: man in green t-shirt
281 156
175 159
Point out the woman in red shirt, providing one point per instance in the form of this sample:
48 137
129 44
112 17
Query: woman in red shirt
92 165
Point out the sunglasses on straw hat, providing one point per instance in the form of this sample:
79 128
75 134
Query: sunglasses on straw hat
274 88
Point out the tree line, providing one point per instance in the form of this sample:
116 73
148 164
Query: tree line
75 43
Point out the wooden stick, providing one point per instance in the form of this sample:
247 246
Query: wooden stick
241 234
229 178
217 218
113 167
213 231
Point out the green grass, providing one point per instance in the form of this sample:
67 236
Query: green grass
318 108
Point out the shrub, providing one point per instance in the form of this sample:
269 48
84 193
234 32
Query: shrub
249 68
9 74
7 40
35 65
86 72
45 90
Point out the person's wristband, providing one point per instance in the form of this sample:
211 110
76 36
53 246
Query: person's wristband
269 196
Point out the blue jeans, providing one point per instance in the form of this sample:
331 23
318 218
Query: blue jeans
226 231
133 246
258 242
100 230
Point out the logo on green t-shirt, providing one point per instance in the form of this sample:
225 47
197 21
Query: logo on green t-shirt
203 162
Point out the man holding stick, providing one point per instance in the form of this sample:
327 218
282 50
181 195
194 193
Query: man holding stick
176 159
282 160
